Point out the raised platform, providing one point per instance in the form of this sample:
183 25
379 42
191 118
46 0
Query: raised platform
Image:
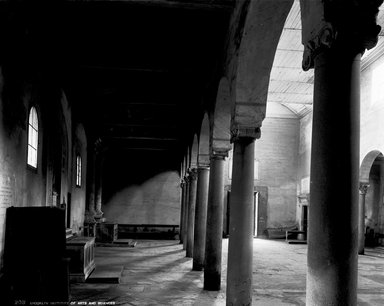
128 243
148 231
297 241
106 274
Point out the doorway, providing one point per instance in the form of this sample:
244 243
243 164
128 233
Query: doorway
304 218
255 214
259 212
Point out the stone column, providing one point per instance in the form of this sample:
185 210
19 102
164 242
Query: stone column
182 208
363 191
90 208
191 211
186 205
99 186
335 34
214 235
333 216
200 218
240 249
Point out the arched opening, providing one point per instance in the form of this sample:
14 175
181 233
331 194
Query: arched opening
33 138
372 178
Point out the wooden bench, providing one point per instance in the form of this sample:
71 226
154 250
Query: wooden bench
81 251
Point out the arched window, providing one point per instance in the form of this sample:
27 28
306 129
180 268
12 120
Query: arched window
33 137
78 171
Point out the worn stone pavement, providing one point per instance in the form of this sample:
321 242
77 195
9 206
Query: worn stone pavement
158 273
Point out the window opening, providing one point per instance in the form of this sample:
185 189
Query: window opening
78 171
33 137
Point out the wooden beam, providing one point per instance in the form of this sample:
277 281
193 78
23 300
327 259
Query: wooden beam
226 5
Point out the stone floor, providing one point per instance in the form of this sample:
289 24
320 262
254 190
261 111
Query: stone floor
158 273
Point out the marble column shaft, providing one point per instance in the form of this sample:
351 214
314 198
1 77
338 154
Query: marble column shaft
186 209
182 208
362 193
99 186
90 208
214 234
333 215
240 249
200 218
191 211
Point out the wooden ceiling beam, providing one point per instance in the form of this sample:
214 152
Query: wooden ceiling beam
225 5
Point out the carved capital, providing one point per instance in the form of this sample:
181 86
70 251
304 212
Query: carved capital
349 25
245 132
89 216
182 183
323 40
363 188
192 174
98 214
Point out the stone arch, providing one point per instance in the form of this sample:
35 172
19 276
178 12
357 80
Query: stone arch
259 25
194 152
371 193
203 157
222 118
366 165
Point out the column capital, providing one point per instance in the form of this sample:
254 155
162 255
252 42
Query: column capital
192 174
182 183
363 188
186 178
206 167
98 145
240 131
89 216
219 153
98 214
203 160
327 24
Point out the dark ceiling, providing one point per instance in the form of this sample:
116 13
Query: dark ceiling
137 73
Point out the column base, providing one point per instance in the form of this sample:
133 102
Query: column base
212 282
98 214
197 267
89 217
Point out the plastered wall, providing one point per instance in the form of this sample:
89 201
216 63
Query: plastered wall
140 190
20 184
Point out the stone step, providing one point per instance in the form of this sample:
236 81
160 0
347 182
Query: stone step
297 241
125 242
68 233
106 274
